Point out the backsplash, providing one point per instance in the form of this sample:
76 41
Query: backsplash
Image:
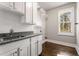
9 21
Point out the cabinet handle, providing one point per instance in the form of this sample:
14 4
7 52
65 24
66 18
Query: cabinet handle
13 54
18 51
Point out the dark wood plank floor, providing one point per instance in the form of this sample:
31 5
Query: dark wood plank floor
52 49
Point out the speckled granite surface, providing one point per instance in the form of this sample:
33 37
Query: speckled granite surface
6 38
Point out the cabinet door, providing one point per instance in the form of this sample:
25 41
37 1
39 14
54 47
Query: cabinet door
7 4
28 47
20 7
35 13
34 49
29 13
13 52
39 44
23 51
25 48
39 47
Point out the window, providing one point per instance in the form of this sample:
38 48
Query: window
66 21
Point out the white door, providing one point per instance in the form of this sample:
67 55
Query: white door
77 32
77 25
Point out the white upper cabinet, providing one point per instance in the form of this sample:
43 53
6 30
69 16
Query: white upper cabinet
35 13
29 13
28 10
15 7
6 4
20 7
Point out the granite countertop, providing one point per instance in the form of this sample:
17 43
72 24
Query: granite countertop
20 38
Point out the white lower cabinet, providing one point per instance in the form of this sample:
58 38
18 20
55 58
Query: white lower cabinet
39 47
27 47
34 49
36 45
33 46
13 52
18 48
40 44
23 51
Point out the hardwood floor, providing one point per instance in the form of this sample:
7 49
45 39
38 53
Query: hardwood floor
52 49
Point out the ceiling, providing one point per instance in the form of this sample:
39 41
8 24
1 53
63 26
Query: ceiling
50 5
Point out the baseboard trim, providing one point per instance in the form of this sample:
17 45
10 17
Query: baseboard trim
59 42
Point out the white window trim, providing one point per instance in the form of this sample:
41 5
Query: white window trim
71 9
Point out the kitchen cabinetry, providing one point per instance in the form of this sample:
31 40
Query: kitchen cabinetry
18 48
40 44
24 50
28 47
7 4
38 15
35 19
14 7
20 7
36 45
29 13
13 52
28 10
28 17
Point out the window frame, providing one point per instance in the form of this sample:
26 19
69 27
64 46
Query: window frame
70 9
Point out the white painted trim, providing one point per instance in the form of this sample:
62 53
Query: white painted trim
60 42
70 9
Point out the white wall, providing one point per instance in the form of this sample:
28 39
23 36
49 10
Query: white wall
52 26
9 20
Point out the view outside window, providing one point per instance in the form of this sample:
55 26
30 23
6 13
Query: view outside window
65 23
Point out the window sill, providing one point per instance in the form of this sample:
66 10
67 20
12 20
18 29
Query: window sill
66 34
